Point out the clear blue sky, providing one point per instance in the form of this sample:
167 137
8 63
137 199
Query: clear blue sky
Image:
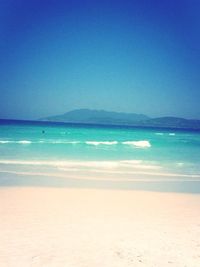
139 56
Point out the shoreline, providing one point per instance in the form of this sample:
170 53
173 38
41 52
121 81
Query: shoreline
46 226
136 183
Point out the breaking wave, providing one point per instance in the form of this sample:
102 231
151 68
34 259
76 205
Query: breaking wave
5 142
159 133
24 142
119 168
143 143
96 143
15 142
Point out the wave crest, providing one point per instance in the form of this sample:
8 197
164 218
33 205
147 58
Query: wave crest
143 143
24 142
15 142
5 142
96 143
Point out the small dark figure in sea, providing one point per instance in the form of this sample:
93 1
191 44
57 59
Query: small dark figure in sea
43 131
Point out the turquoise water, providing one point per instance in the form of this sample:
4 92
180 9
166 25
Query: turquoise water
99 152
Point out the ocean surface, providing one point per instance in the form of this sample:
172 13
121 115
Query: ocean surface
85 154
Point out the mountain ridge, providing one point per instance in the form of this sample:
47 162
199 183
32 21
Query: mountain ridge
121 118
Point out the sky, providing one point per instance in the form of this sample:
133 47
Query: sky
140 56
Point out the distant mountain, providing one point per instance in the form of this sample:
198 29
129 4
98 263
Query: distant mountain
98 116
119 118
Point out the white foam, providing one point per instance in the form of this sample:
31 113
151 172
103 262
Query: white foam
180 164
58 142
130 162
85 167
73 142
159 133
64 142
91 164
24 142
5 142
15 142
137 164
105 164
172 134
143 143
96 143
55 142
161 177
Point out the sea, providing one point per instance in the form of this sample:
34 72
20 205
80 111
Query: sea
100 156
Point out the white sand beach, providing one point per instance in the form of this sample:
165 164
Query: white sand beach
94 228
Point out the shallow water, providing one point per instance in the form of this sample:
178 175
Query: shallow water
102 153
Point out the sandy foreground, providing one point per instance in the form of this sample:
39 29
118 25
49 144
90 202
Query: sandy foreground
91 228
